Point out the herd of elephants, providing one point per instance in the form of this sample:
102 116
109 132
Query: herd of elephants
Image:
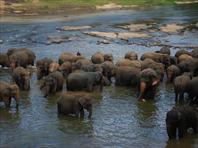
78 73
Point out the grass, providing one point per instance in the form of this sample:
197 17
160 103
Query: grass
102 2
47 5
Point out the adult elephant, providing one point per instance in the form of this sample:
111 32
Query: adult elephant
131 55
157 57
130 63
27 57
148 84
97 58
54 66
165 50
91 68
52 83
79 63
158 67
184 57
22 78
194 53
84 81
108 70
18 59
4 60
42 66
192 90
179 119
189 66
172 72
7 92
180 84
75 103
108 57
68 57
66 69
128 76
180 52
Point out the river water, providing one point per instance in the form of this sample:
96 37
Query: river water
119 120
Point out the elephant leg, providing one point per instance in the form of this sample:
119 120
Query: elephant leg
77 113
171 132
82 113
182 131
7 102
176 96
181 97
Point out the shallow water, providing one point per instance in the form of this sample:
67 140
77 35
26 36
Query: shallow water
119 120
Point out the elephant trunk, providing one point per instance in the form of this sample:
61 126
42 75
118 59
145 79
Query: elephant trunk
142 90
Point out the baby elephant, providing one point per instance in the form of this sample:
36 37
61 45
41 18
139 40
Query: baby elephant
7 92
21 77
75 104
180 119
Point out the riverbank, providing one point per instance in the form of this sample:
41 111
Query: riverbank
56 7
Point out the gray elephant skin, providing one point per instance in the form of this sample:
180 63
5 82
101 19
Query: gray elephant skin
7 92
52 83
84 81
74 104
180 119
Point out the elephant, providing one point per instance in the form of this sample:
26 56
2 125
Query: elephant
184 57
108 70
148 84
97 58
42 66
54 66
74 103
180 84
84 81
179 119
158 67
172 72
131 55
18 59
180 52
91 68
128 76
69 57
52 83
21 76
130 63
21 57
173 60
7 92
66 56
78 64
66 68
157 57
108 57
165 50
4 60
189 66
192 90
194 53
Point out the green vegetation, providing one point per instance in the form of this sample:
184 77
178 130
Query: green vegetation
102 2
